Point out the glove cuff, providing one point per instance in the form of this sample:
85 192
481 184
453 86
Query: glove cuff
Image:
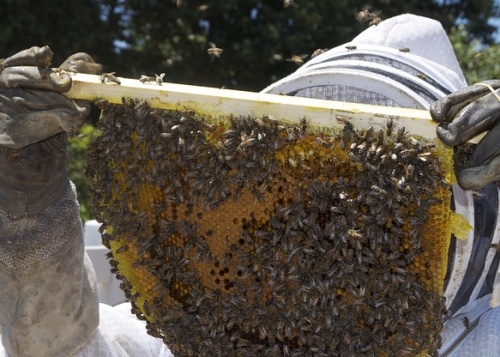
34 177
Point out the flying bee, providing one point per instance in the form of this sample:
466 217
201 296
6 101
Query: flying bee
297 59
213 51
366 15
287 3
109 78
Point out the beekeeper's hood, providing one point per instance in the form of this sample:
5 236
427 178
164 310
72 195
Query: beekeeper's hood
405 61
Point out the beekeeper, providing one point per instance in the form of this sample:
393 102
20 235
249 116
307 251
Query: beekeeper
48 294
47 287
408 61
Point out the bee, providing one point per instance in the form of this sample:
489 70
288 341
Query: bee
495 246
389 127
378 191
287 3
365 15
421 76
213 51
147 311
318 52
158 79
122 249
404 49
109 78
466 322
297 59
350 48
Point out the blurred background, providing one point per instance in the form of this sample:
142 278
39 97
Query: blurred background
262 41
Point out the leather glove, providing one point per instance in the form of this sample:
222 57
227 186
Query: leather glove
465 114
31 106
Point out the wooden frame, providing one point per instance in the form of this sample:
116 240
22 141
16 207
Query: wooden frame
220 102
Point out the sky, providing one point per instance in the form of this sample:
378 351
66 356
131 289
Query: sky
496 22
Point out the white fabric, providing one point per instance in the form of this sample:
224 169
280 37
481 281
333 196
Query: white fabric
424 37
120 334
430 54
481 340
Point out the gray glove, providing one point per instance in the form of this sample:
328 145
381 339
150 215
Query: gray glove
465 114
30 104
48 293
34 118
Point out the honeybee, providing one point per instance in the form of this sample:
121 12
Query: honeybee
213 51
421 76
495 246
366 15
297 59
404 49
318 52
158 79
287 3
109 78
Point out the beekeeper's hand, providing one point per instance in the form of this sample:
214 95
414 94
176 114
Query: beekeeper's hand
465 114
31 106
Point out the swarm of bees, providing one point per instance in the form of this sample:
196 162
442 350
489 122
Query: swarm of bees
253 237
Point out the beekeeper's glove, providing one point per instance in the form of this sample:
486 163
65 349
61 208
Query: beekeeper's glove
31 106
465 114
48 295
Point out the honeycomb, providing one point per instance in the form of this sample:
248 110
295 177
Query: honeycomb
253 237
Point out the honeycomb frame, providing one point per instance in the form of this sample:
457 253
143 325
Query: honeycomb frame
321 243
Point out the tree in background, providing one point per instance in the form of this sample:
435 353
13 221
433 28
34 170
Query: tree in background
478 62
259 39
134 37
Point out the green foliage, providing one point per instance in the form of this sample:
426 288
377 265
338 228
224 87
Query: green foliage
66 27
478 62
75 165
